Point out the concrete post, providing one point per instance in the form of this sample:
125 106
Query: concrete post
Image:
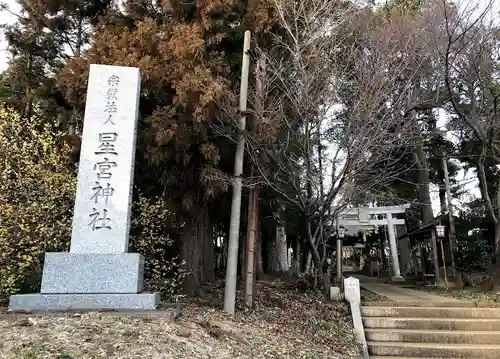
234 225
352 292
394 249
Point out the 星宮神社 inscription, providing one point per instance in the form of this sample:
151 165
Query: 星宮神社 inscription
102 207
104 176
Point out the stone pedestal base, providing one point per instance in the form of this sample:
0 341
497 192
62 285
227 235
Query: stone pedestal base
83 302
89 282
397 278
69 273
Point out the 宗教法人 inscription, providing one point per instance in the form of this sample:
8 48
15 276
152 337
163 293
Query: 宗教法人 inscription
111 97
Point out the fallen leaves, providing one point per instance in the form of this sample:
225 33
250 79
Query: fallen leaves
283 324
367 296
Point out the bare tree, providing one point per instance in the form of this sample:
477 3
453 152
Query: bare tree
470 58
338 89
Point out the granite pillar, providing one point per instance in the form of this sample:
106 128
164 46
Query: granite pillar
98 272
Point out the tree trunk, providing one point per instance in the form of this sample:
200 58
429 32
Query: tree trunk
191 256
280 243
259 266
308 267
79 35
241 255
493 216
251 246
313 245
496 249
197 250
298 259
273 262
208 255
496 244
74 128
493 272
452 235
383 257
281 248
424 186
28 110
442 200
425 198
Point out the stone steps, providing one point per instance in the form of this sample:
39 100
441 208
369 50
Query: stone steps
426 304
432 323
434 350
433 336
423 312
393 357
408 332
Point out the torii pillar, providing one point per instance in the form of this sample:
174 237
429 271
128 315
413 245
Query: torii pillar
396 271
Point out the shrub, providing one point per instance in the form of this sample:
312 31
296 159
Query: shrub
473 253
37 189
151 223
36 199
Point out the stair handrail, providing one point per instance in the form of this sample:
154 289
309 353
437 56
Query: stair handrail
352 292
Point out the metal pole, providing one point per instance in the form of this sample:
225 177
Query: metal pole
234 226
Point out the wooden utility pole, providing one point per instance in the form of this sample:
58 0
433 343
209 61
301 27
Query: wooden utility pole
253 200
251 248
234 226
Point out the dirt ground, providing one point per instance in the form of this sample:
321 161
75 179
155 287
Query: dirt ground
286 323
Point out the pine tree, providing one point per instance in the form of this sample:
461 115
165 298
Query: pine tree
42 39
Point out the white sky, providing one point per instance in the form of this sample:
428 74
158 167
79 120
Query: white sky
6 18
468 180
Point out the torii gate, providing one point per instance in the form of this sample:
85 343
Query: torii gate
363 216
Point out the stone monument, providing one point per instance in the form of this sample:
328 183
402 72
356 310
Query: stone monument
98 273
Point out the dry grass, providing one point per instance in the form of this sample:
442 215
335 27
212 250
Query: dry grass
285 324
469 294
